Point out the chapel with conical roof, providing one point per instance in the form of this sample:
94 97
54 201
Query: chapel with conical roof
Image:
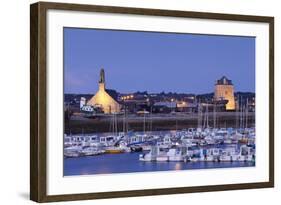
104 98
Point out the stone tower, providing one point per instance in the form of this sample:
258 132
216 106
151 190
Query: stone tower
224 90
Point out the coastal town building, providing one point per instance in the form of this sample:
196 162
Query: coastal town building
104 98
107 101
224 90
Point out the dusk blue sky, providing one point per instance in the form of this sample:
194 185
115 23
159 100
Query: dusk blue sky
156 62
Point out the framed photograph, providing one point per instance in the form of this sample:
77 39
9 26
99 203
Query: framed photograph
135 102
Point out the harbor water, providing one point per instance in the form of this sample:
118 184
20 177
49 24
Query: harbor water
129 163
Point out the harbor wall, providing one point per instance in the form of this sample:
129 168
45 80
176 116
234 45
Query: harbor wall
79 124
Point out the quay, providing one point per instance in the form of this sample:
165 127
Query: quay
154 122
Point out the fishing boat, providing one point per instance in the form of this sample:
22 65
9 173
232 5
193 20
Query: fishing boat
209 158
136 148
146 147
114 150
71 154
175 155
150 156
91 151
225 158
162 157
73 151
194 159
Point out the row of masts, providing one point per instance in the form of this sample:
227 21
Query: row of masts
114 124
242 115
147 122
125 121
203 118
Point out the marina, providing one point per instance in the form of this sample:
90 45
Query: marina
192 148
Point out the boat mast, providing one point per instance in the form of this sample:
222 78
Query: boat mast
240 112
127 121
214 115
143 121
204 118
116 127
246 117
151 118
124 120
242 116
111 128
236 112
199 115
207 117
114 124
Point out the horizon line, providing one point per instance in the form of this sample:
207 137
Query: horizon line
162 92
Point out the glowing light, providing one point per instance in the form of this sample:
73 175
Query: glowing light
178 166
225 92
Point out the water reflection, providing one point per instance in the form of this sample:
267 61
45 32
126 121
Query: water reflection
178 166
128 163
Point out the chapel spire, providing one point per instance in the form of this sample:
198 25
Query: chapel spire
102 76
